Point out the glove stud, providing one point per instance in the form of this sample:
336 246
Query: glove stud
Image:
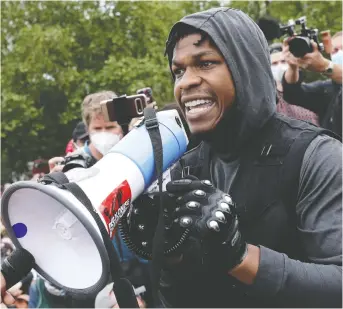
213 225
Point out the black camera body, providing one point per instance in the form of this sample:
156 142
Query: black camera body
300 44
78 159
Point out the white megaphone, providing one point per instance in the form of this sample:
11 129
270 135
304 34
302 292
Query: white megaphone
56 228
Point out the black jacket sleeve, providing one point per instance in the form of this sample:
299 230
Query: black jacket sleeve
315 96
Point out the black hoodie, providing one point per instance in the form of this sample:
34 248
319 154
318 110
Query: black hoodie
245 50
280 281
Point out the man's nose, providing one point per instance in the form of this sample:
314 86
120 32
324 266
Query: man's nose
190 79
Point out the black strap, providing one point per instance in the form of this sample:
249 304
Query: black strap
55 177
122 287
152 126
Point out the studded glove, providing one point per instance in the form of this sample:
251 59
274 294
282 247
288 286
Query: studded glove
211 216
138 227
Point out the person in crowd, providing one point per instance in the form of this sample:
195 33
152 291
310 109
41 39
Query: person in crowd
80 136
70 148
261 195
40 167
324 97
103 135
279 66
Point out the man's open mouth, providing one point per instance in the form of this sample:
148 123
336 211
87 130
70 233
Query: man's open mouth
196 106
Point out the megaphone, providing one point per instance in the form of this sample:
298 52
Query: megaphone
54 226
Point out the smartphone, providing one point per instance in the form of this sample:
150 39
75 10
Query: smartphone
124 108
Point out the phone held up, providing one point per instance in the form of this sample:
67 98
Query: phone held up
122 109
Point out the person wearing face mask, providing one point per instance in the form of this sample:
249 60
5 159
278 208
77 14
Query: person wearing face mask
93 136
279 67
324 97
103 135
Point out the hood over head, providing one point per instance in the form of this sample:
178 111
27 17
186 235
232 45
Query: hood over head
245 50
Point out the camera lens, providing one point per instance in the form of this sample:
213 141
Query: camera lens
139 106
300 46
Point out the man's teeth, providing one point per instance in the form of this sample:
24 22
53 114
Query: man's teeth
197 104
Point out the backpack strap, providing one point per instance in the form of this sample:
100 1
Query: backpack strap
196 162
292 166
289 153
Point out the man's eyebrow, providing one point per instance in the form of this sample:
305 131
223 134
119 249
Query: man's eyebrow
197 56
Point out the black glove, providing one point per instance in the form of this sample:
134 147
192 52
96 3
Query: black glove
211 216
138 227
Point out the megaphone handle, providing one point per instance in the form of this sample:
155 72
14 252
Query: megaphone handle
122 288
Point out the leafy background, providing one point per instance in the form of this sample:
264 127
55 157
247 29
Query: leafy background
54 53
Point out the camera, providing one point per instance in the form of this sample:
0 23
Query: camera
79 159
300 44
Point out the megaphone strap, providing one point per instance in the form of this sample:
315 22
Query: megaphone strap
152 126
122 288
58 178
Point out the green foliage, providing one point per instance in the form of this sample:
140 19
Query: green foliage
54 53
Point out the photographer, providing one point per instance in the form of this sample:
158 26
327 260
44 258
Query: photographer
279 66
322 97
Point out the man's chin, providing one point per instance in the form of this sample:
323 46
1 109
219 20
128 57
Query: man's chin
201 130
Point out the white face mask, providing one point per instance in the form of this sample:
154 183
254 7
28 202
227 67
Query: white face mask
104 141
337 57
278 70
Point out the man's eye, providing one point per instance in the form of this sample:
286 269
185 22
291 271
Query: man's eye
178 72
206 64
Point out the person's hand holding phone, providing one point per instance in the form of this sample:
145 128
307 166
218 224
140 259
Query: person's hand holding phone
55 164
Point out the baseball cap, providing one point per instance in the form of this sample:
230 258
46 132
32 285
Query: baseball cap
80 132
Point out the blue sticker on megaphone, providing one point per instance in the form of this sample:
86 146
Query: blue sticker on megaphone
20 230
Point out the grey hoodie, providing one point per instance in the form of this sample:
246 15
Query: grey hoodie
280 281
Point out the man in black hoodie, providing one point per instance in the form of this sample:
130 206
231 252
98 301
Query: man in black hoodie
265 217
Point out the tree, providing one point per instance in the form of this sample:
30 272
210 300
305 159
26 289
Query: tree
54 53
